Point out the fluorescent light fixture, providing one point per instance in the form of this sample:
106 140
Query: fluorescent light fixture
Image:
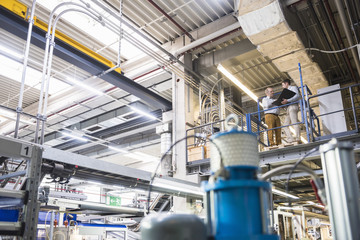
142 112
185 189
237 83
9 52
147 157
317 205
74 137
282 193
7 113
13 70
83 85
118 149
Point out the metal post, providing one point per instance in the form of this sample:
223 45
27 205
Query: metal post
31 208
51 233
303 223
309 131
259 117
248 122
26 58
354 109
303 102
221 104
342 188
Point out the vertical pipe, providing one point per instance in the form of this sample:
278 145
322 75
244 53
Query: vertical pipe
51 233
303 223
336 32
309 132
303 103
49 63
26 58
248 123
342 188
340 8
46 55
354 109
221 102
259 117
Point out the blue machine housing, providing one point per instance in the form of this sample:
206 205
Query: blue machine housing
241 205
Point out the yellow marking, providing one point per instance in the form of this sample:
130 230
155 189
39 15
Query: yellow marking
20 9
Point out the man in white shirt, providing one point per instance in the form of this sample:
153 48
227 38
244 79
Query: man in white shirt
272 119
292 112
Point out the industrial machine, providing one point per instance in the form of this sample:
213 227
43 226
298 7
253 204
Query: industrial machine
237 202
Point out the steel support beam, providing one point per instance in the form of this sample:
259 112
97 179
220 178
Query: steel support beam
115 174
18 27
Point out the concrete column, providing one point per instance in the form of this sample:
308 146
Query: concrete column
165 131
185 104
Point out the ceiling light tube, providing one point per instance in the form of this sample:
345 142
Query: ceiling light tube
237 82
83 85
282 193
118 149
10 52
142 112
74 137
186 190
314 204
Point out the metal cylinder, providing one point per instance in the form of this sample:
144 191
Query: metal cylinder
173 227
238 201
342 188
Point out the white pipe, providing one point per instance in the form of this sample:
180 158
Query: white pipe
49 64
26 58
46 56
207 38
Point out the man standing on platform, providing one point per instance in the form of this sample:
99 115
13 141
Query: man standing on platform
292 112
272 119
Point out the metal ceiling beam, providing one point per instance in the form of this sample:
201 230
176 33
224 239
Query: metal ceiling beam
115 174
18 27
113 131
171 19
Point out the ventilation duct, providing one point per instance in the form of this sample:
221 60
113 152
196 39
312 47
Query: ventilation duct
264 24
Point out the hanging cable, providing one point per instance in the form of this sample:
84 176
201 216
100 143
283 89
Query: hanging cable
153 175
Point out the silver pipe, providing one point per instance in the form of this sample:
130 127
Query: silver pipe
46 56
340 8
26 58
121 31
49 63
342 188
110 209
52 219
171 56
14 174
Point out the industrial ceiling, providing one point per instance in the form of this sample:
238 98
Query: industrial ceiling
106 117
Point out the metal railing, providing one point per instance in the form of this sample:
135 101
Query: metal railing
318 130
252 122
